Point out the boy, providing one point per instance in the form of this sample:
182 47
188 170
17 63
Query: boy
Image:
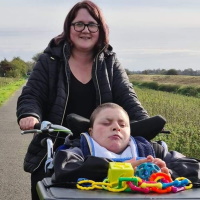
109 139
110 132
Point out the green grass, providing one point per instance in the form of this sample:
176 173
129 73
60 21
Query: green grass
182 114
8 87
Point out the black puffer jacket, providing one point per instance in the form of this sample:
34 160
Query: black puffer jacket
46 93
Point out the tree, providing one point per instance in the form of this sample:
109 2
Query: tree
171 72
145 72
19 68
5 67
162 71
189 72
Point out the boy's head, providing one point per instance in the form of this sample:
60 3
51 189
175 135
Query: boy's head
110 127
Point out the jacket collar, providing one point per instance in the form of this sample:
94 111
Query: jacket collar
57 50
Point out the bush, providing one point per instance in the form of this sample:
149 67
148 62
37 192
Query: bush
168 88
189 91
150 85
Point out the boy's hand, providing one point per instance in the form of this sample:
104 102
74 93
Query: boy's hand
136 163
160 163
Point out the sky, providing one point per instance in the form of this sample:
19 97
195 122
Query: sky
145 34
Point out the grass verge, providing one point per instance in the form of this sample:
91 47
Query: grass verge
7 90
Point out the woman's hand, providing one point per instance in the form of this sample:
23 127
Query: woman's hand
28 123
160 163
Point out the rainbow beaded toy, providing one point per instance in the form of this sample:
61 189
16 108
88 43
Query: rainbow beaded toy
147 178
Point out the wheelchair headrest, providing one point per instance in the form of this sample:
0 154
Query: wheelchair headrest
147 128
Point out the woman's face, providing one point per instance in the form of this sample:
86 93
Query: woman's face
111 129
84 40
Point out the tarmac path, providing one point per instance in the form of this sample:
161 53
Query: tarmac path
14 182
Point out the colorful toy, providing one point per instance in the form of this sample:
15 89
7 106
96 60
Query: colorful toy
119 169
121 177
146 169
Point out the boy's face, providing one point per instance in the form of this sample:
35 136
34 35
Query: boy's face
111 129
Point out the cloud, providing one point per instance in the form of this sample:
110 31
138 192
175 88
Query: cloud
160 51
144 33
141 59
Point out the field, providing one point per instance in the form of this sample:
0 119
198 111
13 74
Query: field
182 114
184 85
167 79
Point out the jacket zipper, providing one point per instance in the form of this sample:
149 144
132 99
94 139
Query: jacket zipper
67 91
95 60
67 85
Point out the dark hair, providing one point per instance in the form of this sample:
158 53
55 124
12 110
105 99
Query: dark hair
96 13
100 108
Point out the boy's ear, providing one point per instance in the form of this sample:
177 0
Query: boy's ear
90 131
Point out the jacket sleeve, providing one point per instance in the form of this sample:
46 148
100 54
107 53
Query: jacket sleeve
32 100
70 165
182 166
124 94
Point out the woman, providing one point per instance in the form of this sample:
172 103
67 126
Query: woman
77 72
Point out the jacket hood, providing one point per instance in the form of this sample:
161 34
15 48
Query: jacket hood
54 50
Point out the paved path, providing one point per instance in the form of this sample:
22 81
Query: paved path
14 182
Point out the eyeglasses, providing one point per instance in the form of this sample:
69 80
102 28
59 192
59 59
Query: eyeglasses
80 26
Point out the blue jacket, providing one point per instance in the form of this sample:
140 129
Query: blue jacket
71 164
